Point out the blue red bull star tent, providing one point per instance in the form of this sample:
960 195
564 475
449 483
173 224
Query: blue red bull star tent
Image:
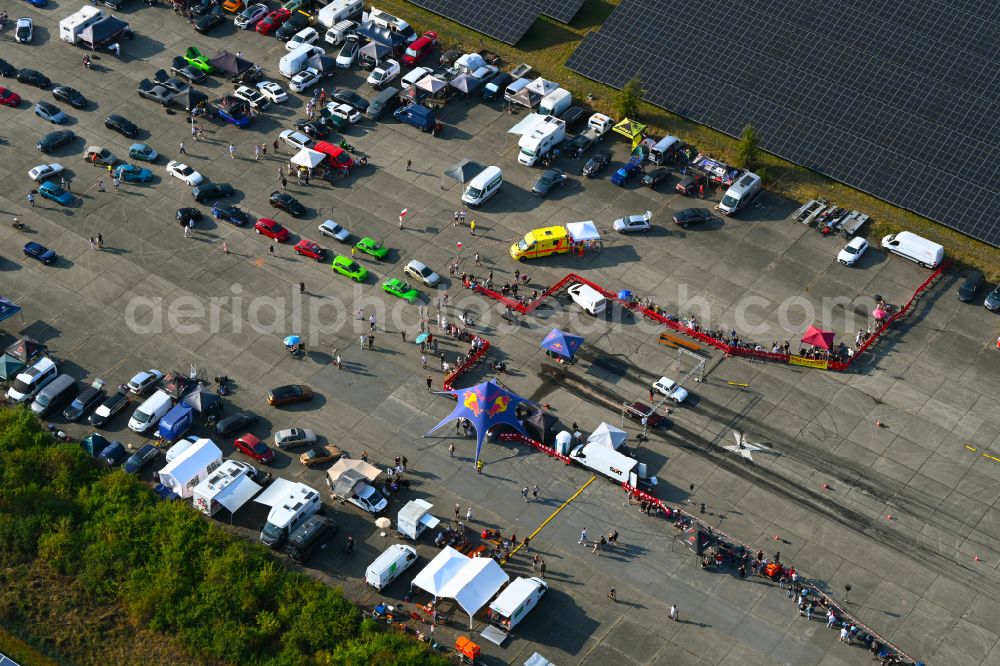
564 344
8 308
484 405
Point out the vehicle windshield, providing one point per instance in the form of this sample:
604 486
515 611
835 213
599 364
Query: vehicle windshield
353 267
377 75
140 417
523 245
474 192
272 532
42 399
529 152
260 448
412 52
850 249
729 201
21 387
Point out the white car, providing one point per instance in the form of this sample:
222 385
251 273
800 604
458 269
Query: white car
304 79
334 230
253 97
43 171
23 30
421 272
348 52
852 251
301 38
296 140
383 74
284 439
671 389
345 111
184 173
249 17
272 91
143 381
368 499
415 75
633 223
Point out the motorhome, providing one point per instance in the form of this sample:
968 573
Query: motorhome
541 139
298 505
228 486
71 26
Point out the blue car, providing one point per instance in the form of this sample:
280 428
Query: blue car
39 252
632 167
38 3
130 173
142 151
229 213
113 454
234 111
53 192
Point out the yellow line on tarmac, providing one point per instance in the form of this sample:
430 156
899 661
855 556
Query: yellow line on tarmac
554 514
971 448
986 455
738 384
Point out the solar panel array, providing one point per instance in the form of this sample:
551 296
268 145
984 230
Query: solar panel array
504 20
7 661
898 99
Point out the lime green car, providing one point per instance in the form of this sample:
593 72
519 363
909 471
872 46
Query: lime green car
400 289
371 247
349 267
196 59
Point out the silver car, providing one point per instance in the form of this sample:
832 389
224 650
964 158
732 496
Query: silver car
285 439
334 230
633 223
419 271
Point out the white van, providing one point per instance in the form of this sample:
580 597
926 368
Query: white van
915 248
294 62
483 186
387 20
180 447
741 193
588 298
32 379
339 32
517 599
150 412
394 561
339 11
556 102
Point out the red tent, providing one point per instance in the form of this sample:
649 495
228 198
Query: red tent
818 338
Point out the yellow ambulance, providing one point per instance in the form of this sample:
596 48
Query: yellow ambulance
541 243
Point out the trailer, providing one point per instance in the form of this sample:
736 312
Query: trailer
230 486
808 208
716 171
71 26
415 518
853 223
191 467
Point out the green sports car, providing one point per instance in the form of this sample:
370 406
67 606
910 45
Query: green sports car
349 267
370 247
400 289
196 59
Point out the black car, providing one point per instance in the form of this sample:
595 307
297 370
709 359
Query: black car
121 124
549 179
498 84
33 77
690 183
345 96
185 215
288 203
229 213
449 57
115 4
70 95
209 21
7 70
54 140
992 302
89 398
689 216
108 409
572 116
141 458
601 159
655 177
211 192
288 29
973 282
236 422
312 128
574 146
181 68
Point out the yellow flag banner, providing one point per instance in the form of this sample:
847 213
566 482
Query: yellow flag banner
821 364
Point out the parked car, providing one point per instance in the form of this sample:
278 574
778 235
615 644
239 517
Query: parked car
671 389
33 77
186 215
113 454
71 96
349 268
39 252
24 30
180 67
633 223
100 156
265 226
54 192
250 16
209 21
272 91
314 129
253 97
852 251
252 446
210 191
420 48
311 249
155 92
449 57
7 70
230 213
346 96
296 22
301 38
626 171
334 230
344 111
54 140
400 289
992 301
145 455
43 171
655 177
596 163
296 140
198 60
285 395
286 202
305 79
88 399
348 52
142 152
286 439
8 97
142 382
236 422
685 218
320 454
122 125
130 173
638 411
273 21
419 271
368 499
973 281
371 247
690 183
108 409
549 179
184 173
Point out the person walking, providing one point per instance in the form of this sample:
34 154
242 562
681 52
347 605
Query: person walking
479 467
408 163
225 248
402 334
458 511
541 568
451 450
93 243
526 544
232 151
429 381
524 494
187 232
256 153
63 184
194 132
613 595
673 612
354 252
844 635
461 216
423 361
456 219
534 562
583 537
361 340
180 147
743 572
534 490
263 150
468 515
284 183
472 227
339 362
100 242
350 545
270 249
117 183
275 146
302 287
476 260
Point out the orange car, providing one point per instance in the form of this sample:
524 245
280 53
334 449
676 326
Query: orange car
232 5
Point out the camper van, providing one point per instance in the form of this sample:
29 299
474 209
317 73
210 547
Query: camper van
338 11
387 20
588 298
59 390
540 140
309 536
664 150
71 26
191 467
516 601
294 62
487 183
339 32
32 379
556 102
394 561
541 243
212 493
915 248
149 413
300 504
741 193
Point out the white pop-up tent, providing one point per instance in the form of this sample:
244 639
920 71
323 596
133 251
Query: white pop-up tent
310 159
470 581
608 435
583 231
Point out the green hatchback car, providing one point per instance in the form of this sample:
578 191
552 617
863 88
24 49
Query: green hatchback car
371 247
400 289
349 267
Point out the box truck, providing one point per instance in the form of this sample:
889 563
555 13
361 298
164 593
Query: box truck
230 486
394 561
608 462
71 26
540 141
517 599
176 422
191 467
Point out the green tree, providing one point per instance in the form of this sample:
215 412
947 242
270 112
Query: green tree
629 98
747 149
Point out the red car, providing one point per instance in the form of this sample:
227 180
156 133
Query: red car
271 229
9 97
308 248
273 21
337 156
253 447
420 48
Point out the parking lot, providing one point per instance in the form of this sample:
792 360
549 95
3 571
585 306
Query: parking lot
927 578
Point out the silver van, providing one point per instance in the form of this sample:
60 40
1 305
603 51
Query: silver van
741 193
483 186
57 392
385 101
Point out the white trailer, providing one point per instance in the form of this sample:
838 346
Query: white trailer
415 517
517 599
542 138
230 486
191 467
71 26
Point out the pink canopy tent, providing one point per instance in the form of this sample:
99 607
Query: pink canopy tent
818 337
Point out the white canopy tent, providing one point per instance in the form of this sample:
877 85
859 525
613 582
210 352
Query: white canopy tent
542 86
583 231
608 435
432 84
470 581
307 158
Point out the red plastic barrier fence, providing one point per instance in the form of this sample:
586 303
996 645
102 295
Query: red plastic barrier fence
548 450
469 362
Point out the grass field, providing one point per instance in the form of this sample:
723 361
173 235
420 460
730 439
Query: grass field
547 46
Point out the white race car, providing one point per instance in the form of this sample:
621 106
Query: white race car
184 173
272 91
303 80
43 171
